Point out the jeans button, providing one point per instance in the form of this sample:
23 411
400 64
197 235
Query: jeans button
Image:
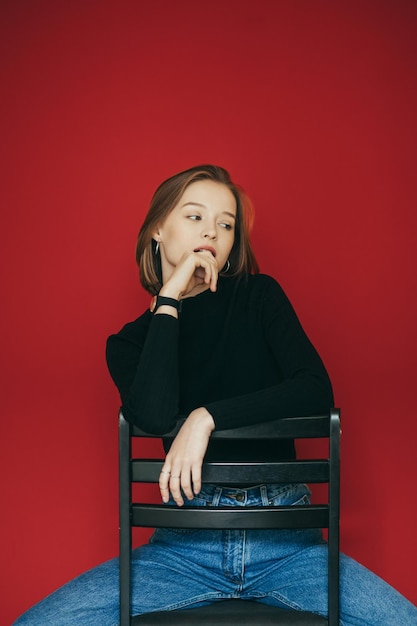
240 497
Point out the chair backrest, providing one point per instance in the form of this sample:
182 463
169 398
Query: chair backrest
311 470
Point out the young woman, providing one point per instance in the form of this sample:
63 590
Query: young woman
221 346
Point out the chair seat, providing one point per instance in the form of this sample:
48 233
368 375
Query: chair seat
227 612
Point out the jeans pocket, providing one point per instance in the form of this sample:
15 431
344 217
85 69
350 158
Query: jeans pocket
304 500
292 495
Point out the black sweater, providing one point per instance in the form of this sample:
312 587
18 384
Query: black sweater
240 352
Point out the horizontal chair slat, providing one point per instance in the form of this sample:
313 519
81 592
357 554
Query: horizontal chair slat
285 428
314 471
157 516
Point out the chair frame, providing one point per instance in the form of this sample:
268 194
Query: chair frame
132 470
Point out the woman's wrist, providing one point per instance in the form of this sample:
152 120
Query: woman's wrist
168 291
201 415
164 301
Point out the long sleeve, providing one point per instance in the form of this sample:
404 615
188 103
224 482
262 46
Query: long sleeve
303 387
143 362
240 352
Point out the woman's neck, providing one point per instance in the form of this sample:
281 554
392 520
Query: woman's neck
196 291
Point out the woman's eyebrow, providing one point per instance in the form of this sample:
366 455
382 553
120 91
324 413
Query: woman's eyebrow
194 204
203 206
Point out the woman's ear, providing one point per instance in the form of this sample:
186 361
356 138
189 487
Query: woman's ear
156 236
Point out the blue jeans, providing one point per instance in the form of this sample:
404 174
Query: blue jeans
187 568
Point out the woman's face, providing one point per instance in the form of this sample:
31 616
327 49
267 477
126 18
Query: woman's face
204 218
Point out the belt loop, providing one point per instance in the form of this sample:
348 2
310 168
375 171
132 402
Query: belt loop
216 496
264 495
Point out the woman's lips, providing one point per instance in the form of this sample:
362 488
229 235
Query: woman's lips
212 250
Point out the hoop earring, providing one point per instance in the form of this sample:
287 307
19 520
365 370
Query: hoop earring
226 267
157 247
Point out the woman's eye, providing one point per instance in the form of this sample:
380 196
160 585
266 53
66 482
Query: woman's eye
226 226
194 217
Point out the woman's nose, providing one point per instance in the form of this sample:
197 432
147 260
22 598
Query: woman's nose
209 232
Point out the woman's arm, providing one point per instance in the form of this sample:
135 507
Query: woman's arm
304 388
143 358
149 391
143 362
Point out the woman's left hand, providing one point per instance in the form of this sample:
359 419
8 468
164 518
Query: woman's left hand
183 463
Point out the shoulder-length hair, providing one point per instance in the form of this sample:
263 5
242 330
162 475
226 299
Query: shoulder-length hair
242 258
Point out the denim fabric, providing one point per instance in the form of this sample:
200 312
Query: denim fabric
186 568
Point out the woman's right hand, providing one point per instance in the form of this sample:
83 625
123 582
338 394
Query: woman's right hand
181 472
194 270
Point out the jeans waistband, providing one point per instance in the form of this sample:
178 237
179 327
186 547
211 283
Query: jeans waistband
258 495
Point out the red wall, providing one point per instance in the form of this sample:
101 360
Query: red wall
311 105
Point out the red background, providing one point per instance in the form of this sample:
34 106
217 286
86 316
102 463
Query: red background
312 107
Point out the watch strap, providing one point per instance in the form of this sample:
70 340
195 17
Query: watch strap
164 301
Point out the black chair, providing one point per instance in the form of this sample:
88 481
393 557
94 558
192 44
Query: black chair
317 470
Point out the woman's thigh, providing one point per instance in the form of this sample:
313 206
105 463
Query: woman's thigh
176 569
299 581
179 569
88 600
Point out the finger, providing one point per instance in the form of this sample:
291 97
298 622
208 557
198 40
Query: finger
164 494
203 263
196 478
186 484
210 269
175 488
214 279
200 274
163 484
